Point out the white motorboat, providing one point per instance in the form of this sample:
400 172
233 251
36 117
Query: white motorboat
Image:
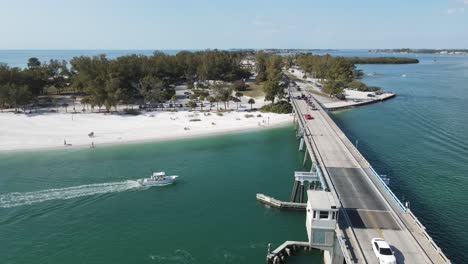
158 179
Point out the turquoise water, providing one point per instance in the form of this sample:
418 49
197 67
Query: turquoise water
420 140
83 206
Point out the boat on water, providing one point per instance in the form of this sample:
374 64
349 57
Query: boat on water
158 179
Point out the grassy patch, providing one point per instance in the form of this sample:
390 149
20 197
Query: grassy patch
254 90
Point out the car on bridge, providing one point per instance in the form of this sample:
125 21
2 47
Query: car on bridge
308 117
382 251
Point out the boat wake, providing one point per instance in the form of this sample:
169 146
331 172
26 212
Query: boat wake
25 198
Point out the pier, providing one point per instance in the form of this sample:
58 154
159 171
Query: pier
280 204
358 202
280 254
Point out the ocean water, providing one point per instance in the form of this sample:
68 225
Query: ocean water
84 206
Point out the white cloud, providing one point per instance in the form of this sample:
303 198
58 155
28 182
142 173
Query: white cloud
456 10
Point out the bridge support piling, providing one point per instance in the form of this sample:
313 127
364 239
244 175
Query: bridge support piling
305 159
301 193
294 191
301 144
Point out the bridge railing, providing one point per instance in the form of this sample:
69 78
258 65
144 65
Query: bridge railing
344 250
429 239
397 200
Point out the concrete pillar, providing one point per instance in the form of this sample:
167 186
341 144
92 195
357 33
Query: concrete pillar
301 192
305 158
301 144
294 191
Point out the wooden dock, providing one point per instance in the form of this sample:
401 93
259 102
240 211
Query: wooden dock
280 254
280 204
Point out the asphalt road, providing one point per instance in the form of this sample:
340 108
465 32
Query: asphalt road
369 213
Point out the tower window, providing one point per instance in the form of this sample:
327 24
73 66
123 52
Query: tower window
323 215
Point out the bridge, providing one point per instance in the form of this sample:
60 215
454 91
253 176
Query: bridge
367 208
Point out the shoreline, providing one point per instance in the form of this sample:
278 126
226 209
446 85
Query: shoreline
354 98
243 125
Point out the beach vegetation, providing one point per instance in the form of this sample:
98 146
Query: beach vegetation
132 111
281 107
192 104
261 66
271 87
360 86
125 80
211 99
251 102
239 85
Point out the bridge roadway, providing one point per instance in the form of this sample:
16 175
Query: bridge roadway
367 210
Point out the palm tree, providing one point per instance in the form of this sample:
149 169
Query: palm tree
55 101
251 102
239 94
65 105
173 99
201 98
218 99
192 104
85 102
211 99
74 100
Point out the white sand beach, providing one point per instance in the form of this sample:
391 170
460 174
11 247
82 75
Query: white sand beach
30 132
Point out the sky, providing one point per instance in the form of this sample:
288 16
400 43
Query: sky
201 24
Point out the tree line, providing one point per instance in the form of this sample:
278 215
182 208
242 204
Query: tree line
382 60
128 79
338 72
269 72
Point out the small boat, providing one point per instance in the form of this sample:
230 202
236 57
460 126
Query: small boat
157 179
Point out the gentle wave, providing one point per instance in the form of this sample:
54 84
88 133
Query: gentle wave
25 198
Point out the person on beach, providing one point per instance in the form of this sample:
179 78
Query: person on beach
64 142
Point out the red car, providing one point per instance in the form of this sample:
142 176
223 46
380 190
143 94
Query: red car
308 117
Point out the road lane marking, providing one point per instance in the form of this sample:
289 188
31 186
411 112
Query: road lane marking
374 223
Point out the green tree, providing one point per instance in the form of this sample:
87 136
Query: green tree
55 102
239 85
33 62
251 102
192 104
174 99
261 65
65 105
85 102
211 99
238 95
201 98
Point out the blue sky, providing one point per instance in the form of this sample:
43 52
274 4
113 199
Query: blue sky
177 24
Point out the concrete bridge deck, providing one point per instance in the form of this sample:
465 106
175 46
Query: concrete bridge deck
368 207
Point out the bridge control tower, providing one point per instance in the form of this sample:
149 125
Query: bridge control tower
321 219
